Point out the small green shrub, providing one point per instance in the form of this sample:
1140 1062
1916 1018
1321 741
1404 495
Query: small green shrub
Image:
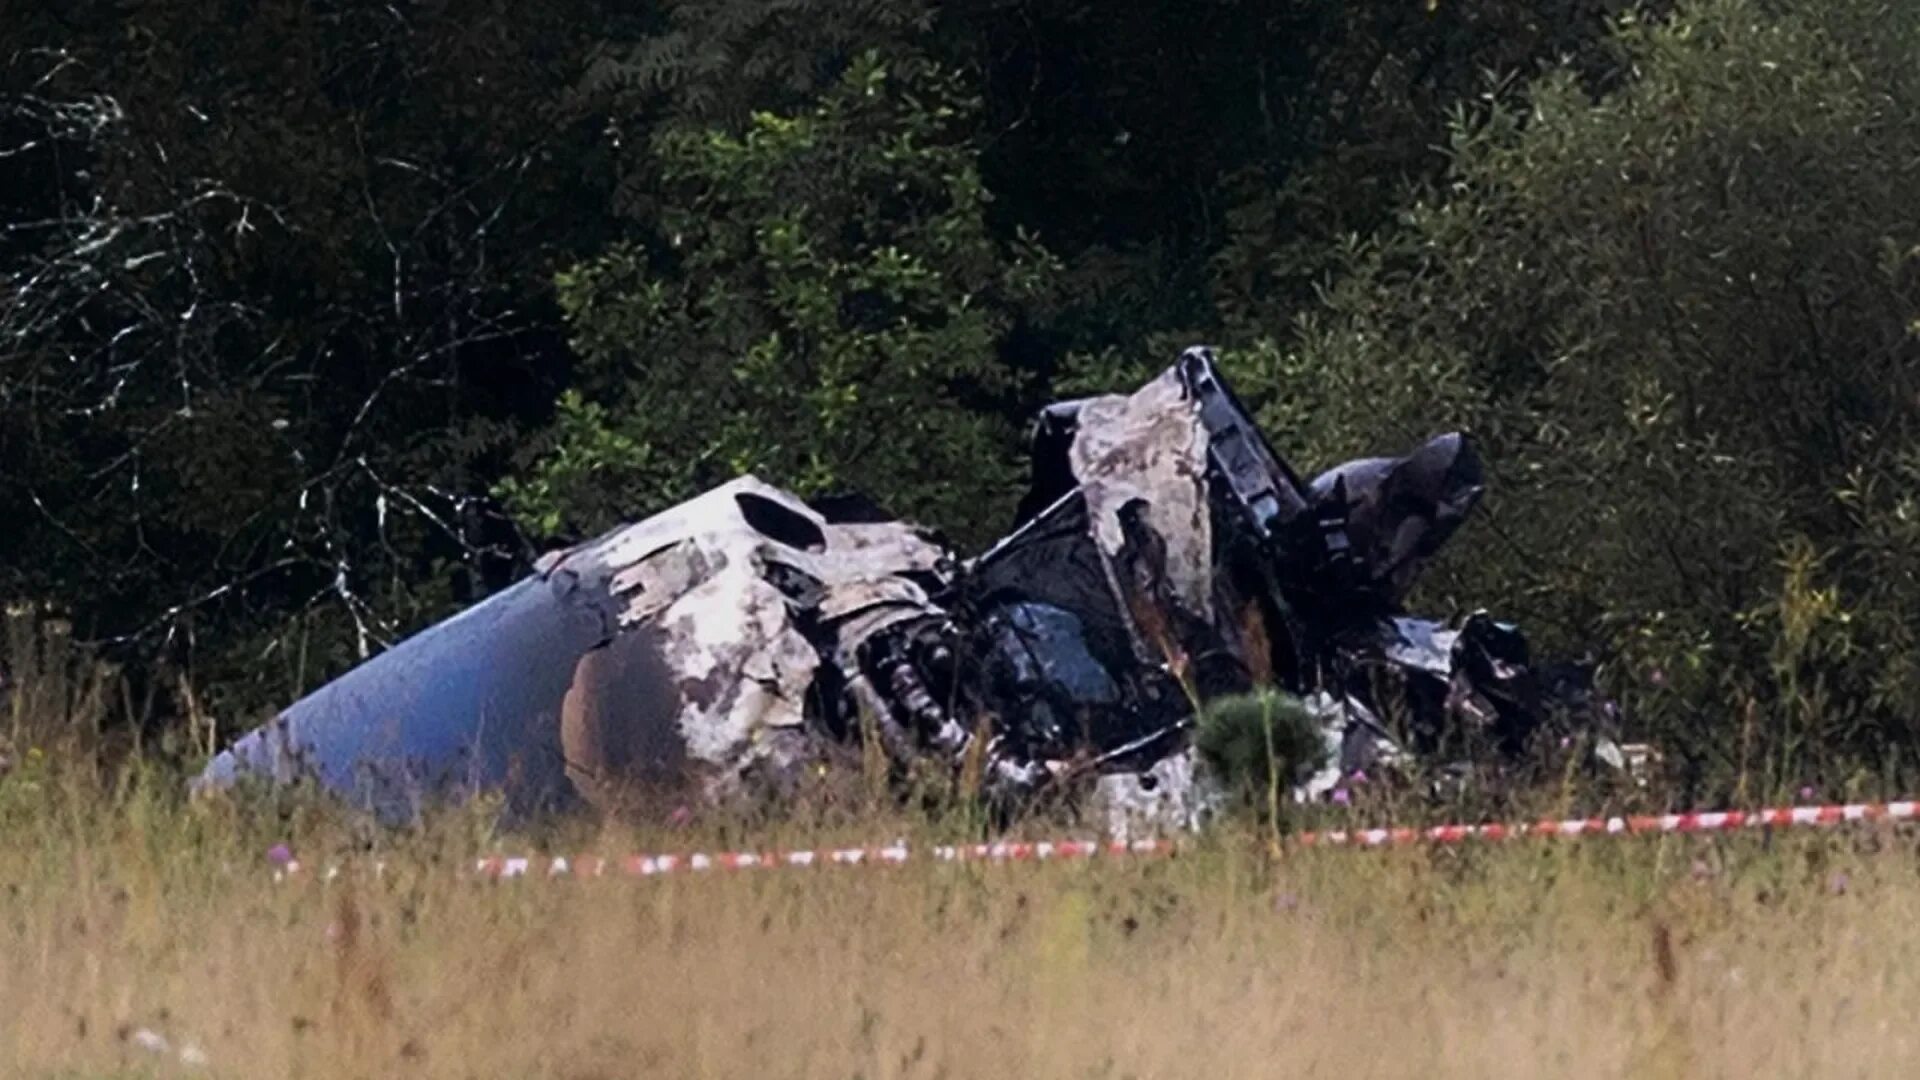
1259 742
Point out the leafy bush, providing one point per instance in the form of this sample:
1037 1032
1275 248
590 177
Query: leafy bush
822 304
1682 316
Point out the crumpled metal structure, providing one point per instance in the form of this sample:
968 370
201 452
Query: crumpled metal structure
1164 556
669 652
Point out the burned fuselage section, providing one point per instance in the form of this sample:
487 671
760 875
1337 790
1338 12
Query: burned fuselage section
684 652
1165 556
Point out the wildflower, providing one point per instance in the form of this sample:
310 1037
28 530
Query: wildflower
279 854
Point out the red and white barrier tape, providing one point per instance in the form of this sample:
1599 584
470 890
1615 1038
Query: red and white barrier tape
1713 821
498 867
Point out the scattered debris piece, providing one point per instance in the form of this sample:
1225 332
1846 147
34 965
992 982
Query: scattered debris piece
153 1042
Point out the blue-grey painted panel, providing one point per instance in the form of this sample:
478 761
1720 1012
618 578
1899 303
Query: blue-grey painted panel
471 702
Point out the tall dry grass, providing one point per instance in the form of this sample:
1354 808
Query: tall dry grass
125 908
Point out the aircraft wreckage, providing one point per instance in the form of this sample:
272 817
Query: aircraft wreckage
1164 556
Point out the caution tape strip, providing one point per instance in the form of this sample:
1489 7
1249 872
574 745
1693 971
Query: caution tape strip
592 866
1713 821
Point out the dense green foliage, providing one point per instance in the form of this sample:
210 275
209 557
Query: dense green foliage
824 306
1684 319
322 319
273 312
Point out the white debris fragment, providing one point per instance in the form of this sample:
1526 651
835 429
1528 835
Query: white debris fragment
155 1043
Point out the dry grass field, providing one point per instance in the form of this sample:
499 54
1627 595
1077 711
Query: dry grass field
128 912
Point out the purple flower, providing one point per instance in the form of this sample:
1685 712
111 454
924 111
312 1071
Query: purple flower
1359 776
279 854
1806 791
1340 796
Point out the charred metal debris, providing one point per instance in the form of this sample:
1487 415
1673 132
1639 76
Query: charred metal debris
1164 556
